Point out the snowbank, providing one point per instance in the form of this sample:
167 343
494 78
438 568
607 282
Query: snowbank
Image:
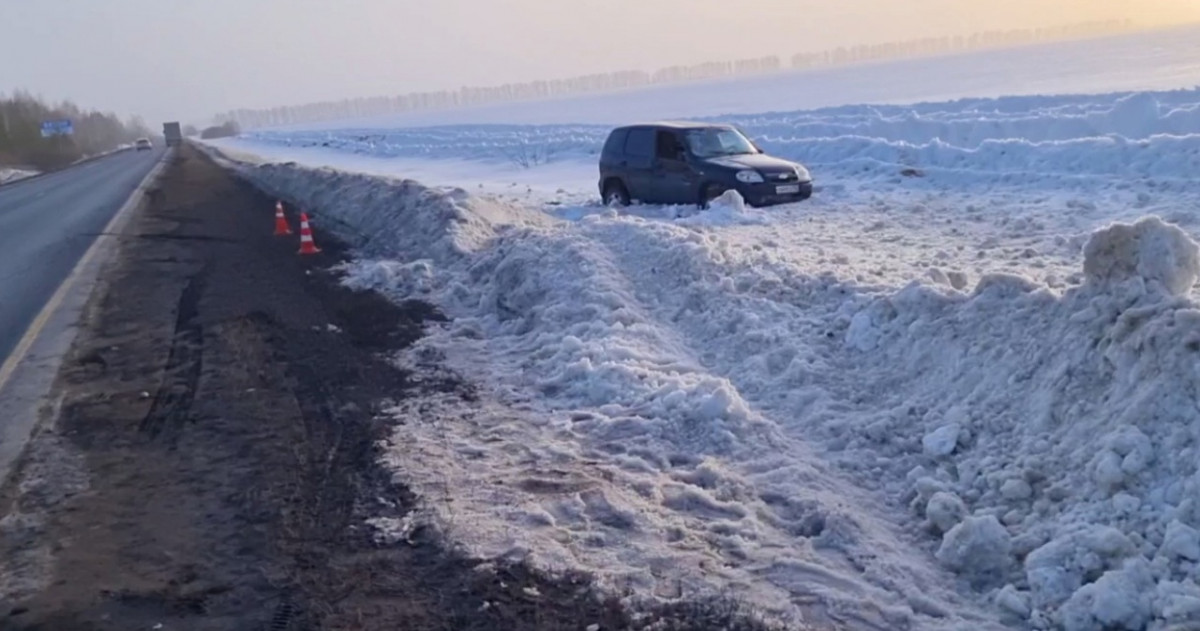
442 223
603 442
1071 420
677 411
12 175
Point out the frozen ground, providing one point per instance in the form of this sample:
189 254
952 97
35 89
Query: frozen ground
957 400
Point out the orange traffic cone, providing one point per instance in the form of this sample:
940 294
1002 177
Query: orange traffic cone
307 246
281 224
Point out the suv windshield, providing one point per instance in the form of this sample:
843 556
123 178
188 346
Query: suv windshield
718 141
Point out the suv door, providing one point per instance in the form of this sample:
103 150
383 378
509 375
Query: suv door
639 165
674 175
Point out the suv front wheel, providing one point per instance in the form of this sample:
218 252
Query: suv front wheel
710 192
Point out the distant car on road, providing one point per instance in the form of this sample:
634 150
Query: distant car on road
142 144
694 163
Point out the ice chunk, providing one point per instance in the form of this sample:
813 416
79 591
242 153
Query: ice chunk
862 333
1004 285
1013 601
978 546
1180 542
1016 489
1057 569
945 510
1107 470
1126 504
958 280
1120 599
942 441
938 276
1108 541
1177 603
1158 252
730 199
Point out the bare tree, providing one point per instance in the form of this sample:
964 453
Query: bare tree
22 144
527 155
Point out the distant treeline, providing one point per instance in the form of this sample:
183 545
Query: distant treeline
22 144
607 82
930 46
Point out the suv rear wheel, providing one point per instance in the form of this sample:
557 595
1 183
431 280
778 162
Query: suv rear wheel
615 194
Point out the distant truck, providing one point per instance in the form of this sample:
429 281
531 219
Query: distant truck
172 133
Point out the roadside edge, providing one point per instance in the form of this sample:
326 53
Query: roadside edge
80 162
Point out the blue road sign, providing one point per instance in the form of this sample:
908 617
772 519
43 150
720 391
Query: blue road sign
62 127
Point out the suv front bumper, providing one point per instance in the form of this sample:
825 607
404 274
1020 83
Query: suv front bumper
768 193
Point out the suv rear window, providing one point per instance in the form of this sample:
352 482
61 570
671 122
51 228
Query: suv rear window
616 142
640 143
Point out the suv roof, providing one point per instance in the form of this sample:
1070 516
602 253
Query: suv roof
677 125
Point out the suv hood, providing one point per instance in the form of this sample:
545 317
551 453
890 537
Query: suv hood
757 161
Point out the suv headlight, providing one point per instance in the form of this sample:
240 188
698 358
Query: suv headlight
803 173
749 177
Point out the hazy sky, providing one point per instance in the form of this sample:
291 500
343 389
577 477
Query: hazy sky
188 60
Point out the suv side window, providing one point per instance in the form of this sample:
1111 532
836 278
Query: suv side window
615 143
668 147
640 143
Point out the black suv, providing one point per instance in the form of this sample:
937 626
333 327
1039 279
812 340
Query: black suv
694 163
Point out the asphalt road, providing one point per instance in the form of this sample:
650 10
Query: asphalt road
47 223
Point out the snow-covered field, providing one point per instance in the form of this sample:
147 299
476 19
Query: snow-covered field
1010 183
959 400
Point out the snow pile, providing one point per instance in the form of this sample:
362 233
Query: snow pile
1060 433
393 218
728 209
674 408
1149 250
604 438
12 175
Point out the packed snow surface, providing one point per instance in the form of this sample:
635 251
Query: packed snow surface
957 389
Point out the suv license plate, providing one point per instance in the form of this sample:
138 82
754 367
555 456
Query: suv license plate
787 189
